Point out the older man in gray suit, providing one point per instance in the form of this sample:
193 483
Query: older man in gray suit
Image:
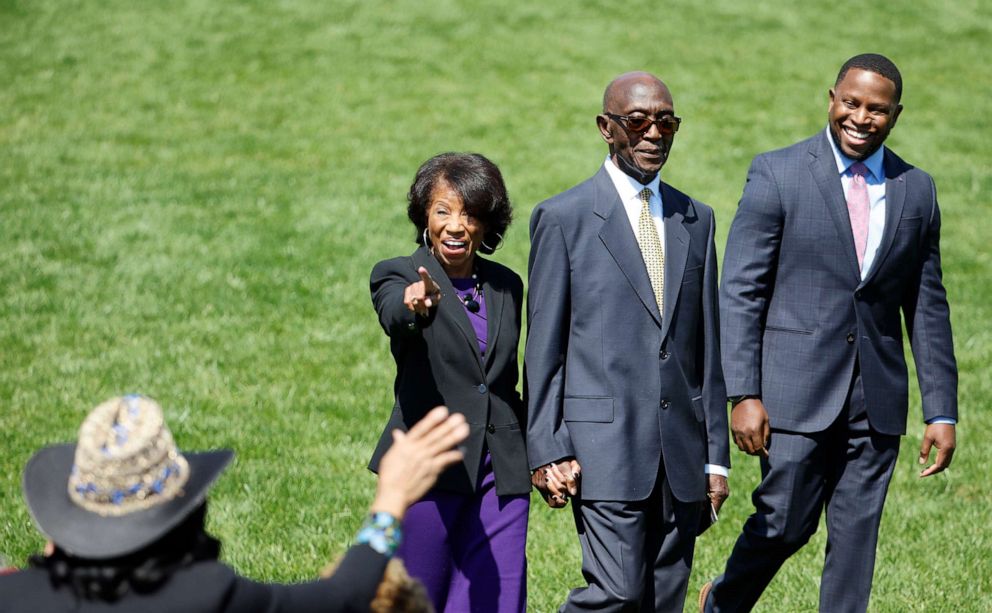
622 365
834 236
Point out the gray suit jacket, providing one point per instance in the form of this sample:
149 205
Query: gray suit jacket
608 379
796 315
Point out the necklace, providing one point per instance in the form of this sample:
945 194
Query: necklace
472 300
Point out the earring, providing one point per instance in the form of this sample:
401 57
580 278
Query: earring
498 245
426 244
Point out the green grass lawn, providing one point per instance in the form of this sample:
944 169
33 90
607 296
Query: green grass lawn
192 195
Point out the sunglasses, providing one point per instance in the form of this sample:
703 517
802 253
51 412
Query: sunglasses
667 124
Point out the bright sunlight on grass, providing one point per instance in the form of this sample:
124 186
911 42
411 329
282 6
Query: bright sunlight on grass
192 195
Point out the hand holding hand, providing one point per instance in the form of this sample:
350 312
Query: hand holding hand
943 437
421 295
557 481
416 458
749 425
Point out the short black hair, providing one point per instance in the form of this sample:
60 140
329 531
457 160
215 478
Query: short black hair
142 571
876 63
477 181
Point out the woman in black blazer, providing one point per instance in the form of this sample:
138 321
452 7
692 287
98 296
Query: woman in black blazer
453 320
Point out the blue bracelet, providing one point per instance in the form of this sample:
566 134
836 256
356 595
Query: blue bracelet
382 532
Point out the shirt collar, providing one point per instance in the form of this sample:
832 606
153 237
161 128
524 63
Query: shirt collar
628 187
873 161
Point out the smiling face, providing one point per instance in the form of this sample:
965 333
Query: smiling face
453 233
864 107
638 94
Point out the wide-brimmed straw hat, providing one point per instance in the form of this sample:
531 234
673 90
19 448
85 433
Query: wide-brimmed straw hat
122 486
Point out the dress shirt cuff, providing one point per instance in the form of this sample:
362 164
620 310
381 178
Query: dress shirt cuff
942 420
716 469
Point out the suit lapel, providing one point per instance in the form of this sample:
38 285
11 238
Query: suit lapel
676 250
449 309
895 199
824 168
619 239
495 299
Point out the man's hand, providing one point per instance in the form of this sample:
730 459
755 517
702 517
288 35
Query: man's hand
749 425
557 481
717 490
420 296
943 437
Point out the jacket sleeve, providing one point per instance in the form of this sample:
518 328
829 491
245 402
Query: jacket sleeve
349 590
928 322
749 266
548 307
714 390
517 295
388 281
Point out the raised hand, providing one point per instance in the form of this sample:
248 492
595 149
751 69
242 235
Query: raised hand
421 295
416 458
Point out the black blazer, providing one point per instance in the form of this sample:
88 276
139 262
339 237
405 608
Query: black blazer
211 587
438 362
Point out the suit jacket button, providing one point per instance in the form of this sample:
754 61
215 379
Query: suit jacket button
491 428
482 388
411 326
850 339
665 404
664 354
857 294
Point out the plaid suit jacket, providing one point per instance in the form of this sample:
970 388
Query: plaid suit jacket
795 314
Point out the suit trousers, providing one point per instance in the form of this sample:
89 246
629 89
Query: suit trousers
636 556
844 469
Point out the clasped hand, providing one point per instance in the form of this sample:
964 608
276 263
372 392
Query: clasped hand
557 481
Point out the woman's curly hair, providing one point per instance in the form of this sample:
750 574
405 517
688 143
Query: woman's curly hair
477 181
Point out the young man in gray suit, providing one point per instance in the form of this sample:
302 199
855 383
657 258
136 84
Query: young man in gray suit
622 365
833 237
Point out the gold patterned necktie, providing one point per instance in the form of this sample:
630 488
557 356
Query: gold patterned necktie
650 244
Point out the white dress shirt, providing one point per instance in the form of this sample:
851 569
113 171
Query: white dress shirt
629 190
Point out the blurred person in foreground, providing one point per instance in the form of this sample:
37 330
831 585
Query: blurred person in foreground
834 237
453 321
626 405
124 510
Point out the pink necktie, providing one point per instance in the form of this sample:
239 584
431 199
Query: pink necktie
857 208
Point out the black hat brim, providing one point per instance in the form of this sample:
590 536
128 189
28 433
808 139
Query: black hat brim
86 534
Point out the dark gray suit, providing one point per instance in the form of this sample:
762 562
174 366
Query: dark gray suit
824 350
636 397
